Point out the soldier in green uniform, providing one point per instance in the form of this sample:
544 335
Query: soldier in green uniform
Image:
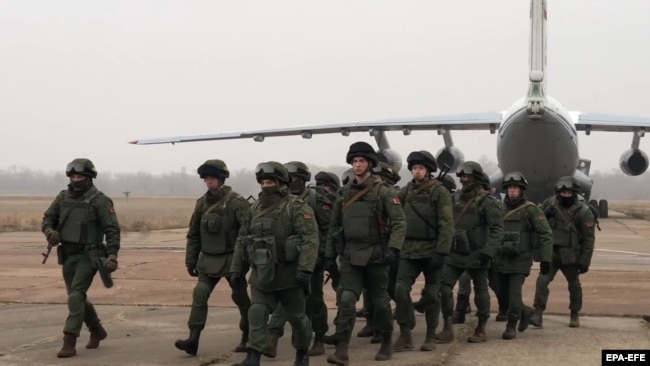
390 178
280 241
573 245
367 229
328 181
217 218
527 237
321 203
429 234
479 233
79 219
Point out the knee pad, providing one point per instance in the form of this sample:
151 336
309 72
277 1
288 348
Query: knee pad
402 291
201 292
76 298
257 314
430 294
348 299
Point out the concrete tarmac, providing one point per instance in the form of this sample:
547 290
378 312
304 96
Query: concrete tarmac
147 310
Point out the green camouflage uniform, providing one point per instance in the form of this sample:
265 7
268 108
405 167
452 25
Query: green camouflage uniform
211 238
277 244
83 219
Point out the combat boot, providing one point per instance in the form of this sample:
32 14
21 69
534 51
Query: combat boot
366 331
97 334
462 308
536 319
510 332
405 340
302 358
68 349
252 359
526 314
271 349
479 332
241 347
318 348
191 344
376 337
330 339
447 333
429 343
502 316
340 356
574 322
385 352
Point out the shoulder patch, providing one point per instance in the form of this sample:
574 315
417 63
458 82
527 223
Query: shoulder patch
589 224
308 215
396 201
541 217
327 206
111 210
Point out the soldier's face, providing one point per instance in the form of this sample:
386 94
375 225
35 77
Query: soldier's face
566 193
267 183
77 178
359 166
212 183
514 192
419 172
466 179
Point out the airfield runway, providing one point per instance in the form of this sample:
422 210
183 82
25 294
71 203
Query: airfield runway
147 310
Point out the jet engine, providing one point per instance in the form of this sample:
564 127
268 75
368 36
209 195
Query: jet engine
393 158
634 162
451 156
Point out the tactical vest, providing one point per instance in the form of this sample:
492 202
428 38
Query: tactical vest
474 226
563 224
269 233
219 227
361 220
421 216
515 229
78 219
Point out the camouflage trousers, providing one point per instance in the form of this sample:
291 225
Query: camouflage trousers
409 270
78 274
573 279
449 277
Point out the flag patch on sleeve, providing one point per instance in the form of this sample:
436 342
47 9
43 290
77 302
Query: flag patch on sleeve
396 201
307 216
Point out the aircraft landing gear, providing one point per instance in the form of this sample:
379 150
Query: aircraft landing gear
602 207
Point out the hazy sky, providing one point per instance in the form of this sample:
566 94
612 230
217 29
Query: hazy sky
81 78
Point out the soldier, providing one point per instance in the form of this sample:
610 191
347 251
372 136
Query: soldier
429 233
280 241
527 237
79 219
367 229
328 181
217 218
479 233
321 203
573 245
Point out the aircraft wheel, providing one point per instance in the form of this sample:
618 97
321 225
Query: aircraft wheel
594 204
603 209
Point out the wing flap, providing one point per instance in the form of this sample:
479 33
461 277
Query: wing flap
611 122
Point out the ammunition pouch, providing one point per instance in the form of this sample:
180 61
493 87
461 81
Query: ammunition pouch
478 237
461 243
60 255
510 245
292 249
263 256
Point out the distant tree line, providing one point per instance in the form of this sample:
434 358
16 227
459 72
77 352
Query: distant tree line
612 185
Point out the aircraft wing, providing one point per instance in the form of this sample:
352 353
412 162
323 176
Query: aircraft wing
610 122
478 121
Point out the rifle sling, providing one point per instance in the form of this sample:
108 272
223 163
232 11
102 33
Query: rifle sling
271 208
359 194
467 206
218 203
565 218
510 213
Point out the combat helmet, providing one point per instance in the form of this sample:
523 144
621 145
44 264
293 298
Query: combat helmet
214 168
449 183
81 166
386 172
272 170
328 178
567 182
364 150
422 157
514 179
470 168
298 169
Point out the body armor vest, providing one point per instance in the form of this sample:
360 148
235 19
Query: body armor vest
218 228
515 229
270 233
421 216
474 227
564 229
78 219
361 225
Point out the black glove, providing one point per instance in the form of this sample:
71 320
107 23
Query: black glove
191 270
391 255
303 278
330 266
544 268
111 265
582 268
237 281
52 236
549 212
484 259
437 260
